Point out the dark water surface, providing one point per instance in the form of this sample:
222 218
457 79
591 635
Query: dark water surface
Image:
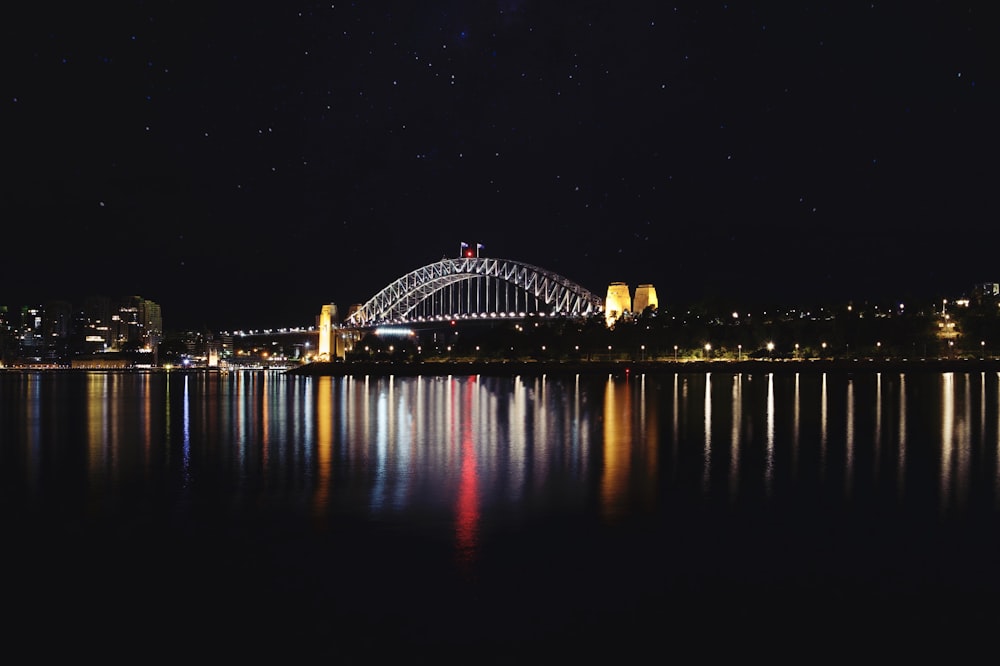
475 519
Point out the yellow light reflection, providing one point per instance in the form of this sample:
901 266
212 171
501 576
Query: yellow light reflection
947 435
823 432
617 447
324 446
796 409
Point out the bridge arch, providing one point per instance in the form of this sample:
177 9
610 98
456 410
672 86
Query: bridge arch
462 286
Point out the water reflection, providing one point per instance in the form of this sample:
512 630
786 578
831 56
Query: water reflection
901 443
877 437
708 432
324 419
849 441
769 436
467 506
470 450
796 425
823 425
617 446
736 410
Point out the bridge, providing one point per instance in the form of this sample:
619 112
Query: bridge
468 288
474 287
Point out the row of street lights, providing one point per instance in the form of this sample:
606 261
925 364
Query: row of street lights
769 346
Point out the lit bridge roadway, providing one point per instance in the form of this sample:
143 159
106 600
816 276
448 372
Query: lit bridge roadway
472 288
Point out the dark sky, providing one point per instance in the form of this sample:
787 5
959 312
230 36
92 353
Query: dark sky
244 163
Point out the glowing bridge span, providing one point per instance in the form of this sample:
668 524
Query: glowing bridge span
471 287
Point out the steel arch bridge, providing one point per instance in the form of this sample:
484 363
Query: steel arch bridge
474 287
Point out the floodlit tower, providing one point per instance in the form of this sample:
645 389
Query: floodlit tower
618 302
326 318
645 296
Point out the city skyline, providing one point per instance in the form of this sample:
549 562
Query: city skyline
130 331
65 308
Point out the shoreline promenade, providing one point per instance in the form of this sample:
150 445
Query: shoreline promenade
512 368
502 368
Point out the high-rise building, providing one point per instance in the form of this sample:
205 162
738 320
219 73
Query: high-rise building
151 321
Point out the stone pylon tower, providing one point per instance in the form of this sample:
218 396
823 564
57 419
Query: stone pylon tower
618 302
327 317
645 296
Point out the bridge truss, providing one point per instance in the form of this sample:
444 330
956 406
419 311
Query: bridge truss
475 287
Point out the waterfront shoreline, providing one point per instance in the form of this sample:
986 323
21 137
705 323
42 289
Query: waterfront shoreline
551 367
513 368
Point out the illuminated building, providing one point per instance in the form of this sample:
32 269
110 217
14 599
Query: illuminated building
617 303
645 297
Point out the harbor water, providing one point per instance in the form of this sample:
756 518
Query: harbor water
499 519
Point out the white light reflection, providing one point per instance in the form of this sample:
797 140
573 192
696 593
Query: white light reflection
964 443
996 475
982 404
708 431
381 453
734 454
822 427
901 462
541 460
675 422
518 417
769 436
186 430
947 435
796 407
849 441
878 423
34 429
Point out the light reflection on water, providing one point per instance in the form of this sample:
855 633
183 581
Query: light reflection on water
389 445
587 487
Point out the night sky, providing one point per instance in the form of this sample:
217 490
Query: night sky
244 163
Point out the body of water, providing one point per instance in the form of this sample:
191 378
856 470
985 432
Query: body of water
480 519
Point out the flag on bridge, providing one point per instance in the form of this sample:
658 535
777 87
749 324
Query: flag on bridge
479 246
464 250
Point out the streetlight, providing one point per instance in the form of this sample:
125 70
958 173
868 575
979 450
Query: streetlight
770 349
675 353
708 350
739 352
643 349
